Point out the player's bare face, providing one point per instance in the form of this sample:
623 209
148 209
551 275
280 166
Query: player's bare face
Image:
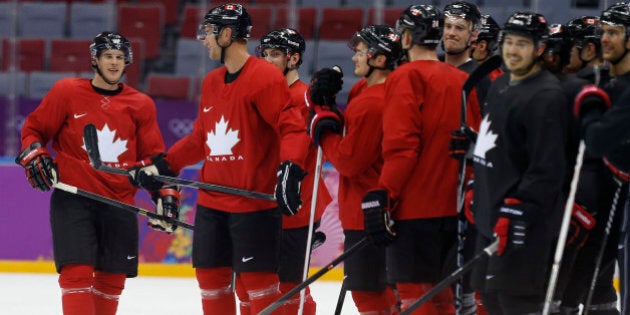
210 41
613 42
574 60
480 52
112 64
457 35
276 57
360 60
519 54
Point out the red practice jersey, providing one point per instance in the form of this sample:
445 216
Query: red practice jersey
243 130
127 130
423 108
357 154
297 91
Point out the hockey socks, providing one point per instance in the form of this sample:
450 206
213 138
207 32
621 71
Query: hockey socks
375 303
262 290
106 292
216 290
441 304
75 282
293 305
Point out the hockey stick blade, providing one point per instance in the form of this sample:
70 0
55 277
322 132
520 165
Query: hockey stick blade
90 139
459 272
356 247
119 204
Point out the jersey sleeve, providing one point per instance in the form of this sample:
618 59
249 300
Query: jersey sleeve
402 124
45 121
612 129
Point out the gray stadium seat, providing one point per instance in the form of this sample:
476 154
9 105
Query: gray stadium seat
191 54
6 19
321 3
42 19
39 83
89 19
15 81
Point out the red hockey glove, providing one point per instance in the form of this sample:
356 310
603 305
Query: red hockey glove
378 225
468 203
581 223
288 187
322 119
589 105
167 202
462 143
511 227
325 85
141 175
41 171
621 175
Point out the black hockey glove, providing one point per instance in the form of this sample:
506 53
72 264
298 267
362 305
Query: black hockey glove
141 175
582 222
288 187
589 105
41 171
322 119
378 225
462 143
512 224
167 202
325 85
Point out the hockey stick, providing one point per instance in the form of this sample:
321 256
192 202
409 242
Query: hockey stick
473 79
311 222
564 230
356 247
600 254
342 297
90 138
457 274
118 204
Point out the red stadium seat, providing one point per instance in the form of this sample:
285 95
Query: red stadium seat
171 9
164 86
69 55
30 55
143 21
134 70
272 2
191 16
261 21
340 23
390 16
306 24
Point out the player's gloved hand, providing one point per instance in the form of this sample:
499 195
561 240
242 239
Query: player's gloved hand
288 187
590 103
325 85
462 143
378 225
141 175
619 174
41 171
512 224
323 119
581 224
468 202
167 202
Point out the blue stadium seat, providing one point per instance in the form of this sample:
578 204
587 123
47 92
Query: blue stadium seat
15 81
330 53
89 19
39 82
42 19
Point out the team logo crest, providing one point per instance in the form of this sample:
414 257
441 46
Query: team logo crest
222 139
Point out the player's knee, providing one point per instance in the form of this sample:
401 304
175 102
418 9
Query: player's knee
76 278
109 285
410 292
215 283
372 302
260 285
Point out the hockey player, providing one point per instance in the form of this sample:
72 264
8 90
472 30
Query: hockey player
586 54
519 164
356 155
605 131
461 26
417 187
95 245
487 43
284 48
246 126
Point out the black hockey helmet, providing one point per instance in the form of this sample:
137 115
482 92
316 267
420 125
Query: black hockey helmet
489 31
425 21
584 30
286 39
464 10
110 41
230 15
381 40
558 43
617 14
528 24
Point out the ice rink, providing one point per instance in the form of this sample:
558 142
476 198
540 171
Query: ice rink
38 294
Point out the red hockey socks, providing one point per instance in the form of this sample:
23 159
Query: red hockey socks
410 292
293 305
75 281
106 292
445 302
216 292
243 298
375 303
262 290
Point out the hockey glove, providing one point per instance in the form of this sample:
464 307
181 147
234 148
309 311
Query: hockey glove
581 224
325 85
376 207
619 174
141 175
288 187
41 171
167 205
511 227
589 105
322 119
462 143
